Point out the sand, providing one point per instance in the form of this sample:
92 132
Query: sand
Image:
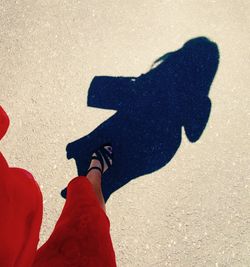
193 212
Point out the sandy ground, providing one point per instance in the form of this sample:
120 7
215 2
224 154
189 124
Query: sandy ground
193 212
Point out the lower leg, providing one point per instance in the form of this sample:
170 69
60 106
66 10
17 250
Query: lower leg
94 176
101 161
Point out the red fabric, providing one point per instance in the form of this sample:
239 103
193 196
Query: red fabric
4 122
20 211
81 236
20 218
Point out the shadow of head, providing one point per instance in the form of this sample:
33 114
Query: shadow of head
151 110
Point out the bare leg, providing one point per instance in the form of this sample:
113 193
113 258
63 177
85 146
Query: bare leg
94 176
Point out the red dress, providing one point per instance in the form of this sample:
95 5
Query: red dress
20 211
81 237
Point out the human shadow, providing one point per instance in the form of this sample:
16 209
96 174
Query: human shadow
145 132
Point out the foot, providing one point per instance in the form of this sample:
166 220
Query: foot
101 159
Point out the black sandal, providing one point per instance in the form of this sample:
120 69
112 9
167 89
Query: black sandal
103 155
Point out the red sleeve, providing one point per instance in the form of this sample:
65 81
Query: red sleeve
4 122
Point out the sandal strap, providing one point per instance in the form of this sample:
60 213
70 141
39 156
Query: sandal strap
94 168
99 158
106 155
102 154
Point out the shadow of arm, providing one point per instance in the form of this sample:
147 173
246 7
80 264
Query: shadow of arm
110 92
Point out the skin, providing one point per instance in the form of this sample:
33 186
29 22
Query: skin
21 209
95 178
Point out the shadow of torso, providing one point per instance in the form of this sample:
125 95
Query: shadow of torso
145 132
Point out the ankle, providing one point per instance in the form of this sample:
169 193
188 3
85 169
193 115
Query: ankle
101 160
94 173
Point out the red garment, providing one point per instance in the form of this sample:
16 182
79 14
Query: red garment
20 217
4 122
20 211
81 237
